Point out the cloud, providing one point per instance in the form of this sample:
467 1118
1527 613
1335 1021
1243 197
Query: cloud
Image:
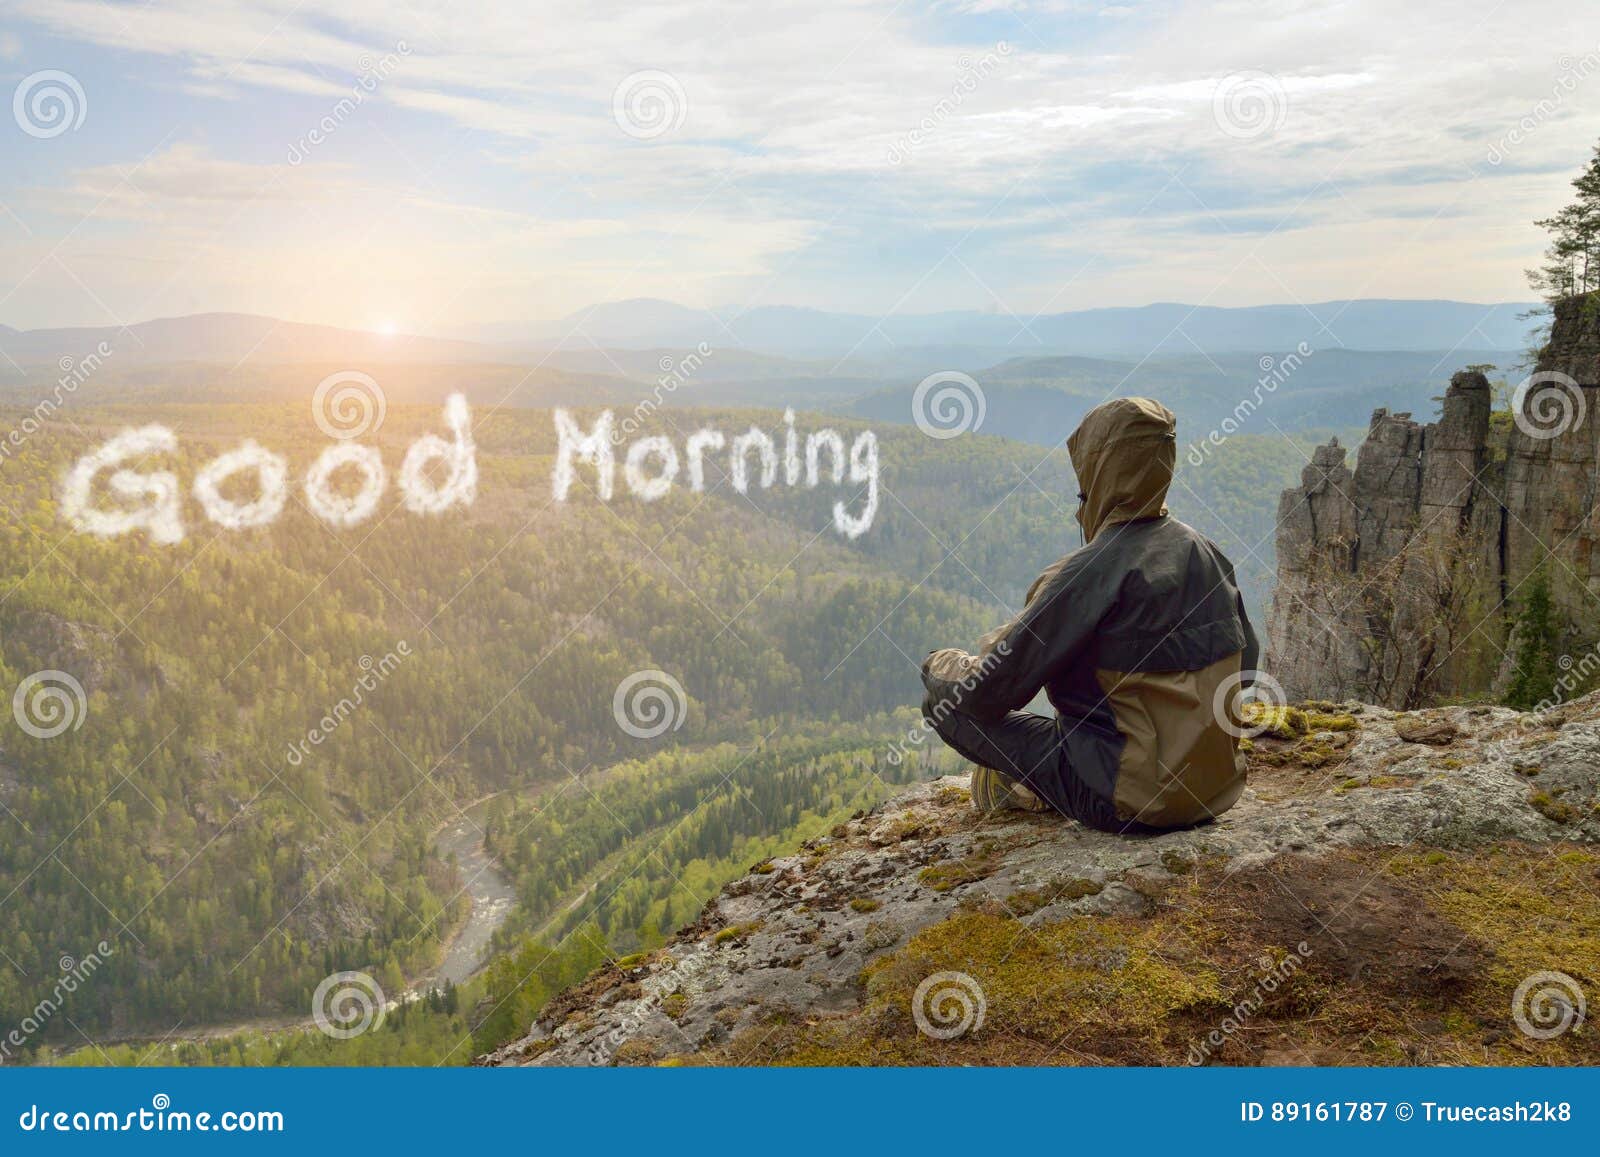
1204 89
837 154
186 231
181 185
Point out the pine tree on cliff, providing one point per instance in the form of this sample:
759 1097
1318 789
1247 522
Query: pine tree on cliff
1533 679
1572 261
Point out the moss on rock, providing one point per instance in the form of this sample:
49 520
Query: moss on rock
1354 957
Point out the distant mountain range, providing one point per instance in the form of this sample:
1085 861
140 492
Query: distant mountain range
618 354
1032 397
227 339
1041 399
1136 332
633 339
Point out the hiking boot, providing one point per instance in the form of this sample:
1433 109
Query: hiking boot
994 792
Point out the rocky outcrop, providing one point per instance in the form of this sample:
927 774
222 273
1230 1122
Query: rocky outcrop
38 640
1394 863
1397 582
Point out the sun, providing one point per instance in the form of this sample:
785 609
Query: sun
388 327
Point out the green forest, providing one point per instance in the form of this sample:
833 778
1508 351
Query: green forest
185 819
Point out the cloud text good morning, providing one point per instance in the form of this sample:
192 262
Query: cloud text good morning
652 464
436 474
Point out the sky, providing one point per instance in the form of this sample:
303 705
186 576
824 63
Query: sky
440 168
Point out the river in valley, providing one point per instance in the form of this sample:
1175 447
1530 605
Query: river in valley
467 950
491 894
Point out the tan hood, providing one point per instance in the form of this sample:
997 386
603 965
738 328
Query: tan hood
1123 452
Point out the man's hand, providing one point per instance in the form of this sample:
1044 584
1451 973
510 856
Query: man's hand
946 665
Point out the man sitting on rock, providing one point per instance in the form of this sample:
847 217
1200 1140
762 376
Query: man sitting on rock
1140 641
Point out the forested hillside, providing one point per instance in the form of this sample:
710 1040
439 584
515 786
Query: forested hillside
186 820
190 819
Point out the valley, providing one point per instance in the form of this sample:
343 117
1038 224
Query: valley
241 849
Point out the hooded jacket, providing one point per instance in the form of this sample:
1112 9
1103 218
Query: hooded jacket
1138 639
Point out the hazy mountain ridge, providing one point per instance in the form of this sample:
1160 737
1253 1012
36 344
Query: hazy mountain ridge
787 333
1041 399
229 338
1136 331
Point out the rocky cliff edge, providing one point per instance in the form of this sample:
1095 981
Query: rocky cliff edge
1406 888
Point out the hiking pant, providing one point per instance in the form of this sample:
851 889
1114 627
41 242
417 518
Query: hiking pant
1028 749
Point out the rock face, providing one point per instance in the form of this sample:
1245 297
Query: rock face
1355 852
1397 581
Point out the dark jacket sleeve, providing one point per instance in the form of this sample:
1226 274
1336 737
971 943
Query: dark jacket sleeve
1065 605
